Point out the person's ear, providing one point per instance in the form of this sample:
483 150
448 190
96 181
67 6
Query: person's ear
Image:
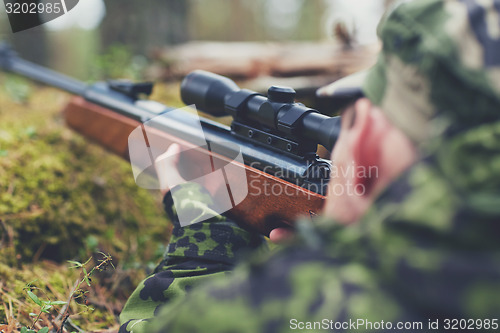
366 134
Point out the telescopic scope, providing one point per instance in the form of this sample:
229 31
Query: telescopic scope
271 118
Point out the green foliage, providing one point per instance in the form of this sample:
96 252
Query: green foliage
17 88
46 306
117 62
52 286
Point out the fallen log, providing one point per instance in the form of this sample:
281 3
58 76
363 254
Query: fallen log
249 60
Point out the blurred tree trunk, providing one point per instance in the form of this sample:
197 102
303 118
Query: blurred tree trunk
308 27
144 25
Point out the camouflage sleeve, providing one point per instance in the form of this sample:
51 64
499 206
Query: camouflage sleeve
195 253
280 293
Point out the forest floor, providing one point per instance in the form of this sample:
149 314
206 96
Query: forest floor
63 198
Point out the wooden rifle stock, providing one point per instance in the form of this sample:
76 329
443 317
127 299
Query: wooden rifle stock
270 202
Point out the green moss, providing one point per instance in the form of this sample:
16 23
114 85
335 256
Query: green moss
63 196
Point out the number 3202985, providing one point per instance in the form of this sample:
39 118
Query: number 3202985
470 324
32 8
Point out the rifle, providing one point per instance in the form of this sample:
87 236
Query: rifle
276 137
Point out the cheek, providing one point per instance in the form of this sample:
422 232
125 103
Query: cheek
341 149
341 160
341 152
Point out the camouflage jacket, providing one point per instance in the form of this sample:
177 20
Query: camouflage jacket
426 254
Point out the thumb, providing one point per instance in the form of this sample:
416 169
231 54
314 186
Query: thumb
166 168
281 235
169 158
173 152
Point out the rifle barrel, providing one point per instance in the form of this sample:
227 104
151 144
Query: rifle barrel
9 61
